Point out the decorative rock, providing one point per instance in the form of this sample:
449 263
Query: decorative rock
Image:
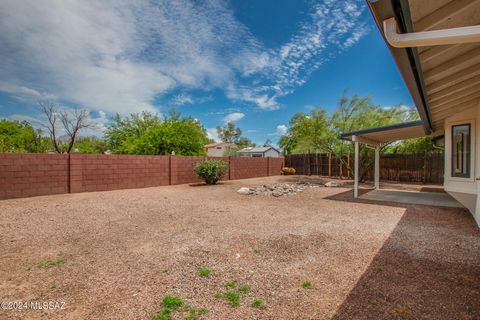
244 190
333 184
278 190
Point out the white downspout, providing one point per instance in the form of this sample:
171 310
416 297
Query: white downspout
429 38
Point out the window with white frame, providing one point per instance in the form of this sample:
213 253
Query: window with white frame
461 146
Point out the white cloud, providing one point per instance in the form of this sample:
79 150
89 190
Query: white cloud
98 124
232 117
36 122
213 134
334 26
282 129
181 99
256 96
120 56
24 93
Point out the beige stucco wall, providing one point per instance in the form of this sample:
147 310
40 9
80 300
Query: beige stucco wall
272 153
465 190
214 152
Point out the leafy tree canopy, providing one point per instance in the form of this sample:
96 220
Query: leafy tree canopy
232 134
318 131
91 145
146 133
18 136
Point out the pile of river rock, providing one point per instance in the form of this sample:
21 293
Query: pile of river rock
281 189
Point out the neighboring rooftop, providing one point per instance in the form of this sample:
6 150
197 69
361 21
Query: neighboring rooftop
218 144
256 149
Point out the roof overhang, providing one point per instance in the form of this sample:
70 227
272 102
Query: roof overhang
442 72
376 136
407 59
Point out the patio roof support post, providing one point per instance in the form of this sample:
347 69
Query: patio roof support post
356 173
377 167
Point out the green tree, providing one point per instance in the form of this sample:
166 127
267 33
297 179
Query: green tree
122 134
318 131
267 143
419 145
18 136
91 145
146 133
232 134
229 133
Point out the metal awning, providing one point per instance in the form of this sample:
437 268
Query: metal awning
375 136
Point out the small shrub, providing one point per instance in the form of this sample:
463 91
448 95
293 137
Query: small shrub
211 170
195 313
288 171
50 263
233 298
257 303
244 288
204 272
231 284
307 285
170 304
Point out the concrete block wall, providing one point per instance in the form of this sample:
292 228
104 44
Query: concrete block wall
275 166
243 167
112 172
182 169
26 175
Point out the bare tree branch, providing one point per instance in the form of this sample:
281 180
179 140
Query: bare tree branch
50 110
71 121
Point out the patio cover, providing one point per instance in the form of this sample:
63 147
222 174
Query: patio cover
375 136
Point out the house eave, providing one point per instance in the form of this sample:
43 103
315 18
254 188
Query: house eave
407 59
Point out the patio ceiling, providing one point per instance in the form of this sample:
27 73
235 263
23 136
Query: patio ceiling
441 79
452 72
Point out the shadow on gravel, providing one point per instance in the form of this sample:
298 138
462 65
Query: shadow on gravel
428 268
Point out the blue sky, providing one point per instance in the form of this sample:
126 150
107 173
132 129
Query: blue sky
253 62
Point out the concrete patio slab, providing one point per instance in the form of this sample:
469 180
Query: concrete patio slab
439 199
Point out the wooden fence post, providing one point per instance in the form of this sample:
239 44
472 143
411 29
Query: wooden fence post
340 168
348 166
329 164
308 157
425 167
229 168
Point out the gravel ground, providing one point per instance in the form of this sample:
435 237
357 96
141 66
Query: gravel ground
116 254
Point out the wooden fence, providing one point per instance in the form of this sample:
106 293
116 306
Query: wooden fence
425 167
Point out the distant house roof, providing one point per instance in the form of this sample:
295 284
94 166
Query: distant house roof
256 149
219 144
